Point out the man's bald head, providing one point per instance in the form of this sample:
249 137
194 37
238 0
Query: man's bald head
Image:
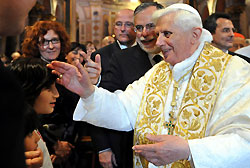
128 12
124 27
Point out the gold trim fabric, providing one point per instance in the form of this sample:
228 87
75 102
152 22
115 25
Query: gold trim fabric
196 107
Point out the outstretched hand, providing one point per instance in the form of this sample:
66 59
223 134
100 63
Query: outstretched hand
75 78
165 150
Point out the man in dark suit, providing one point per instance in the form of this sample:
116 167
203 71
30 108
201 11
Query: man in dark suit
108 142
126 66
130 64
222 29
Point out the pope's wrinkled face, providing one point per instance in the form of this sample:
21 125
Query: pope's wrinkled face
224 33
50 45
175 43
145 30
13 14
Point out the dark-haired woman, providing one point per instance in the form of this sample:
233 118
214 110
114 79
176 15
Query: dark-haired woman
38 84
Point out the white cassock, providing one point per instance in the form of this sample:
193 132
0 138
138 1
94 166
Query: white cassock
227 136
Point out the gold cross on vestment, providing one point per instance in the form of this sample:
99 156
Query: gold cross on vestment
172 118
170 127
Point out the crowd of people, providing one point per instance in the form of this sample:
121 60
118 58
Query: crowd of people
159 93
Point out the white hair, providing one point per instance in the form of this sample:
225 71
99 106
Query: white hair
186 17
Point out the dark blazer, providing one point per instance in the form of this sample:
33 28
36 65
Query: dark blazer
103 138
106 53
125 66
239 55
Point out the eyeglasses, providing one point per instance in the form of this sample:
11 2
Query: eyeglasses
126 24
166 33
53 41
149 27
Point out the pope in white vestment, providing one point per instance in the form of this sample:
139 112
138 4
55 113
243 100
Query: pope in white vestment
226 143
205 97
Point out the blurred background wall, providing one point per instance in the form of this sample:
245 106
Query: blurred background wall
91 20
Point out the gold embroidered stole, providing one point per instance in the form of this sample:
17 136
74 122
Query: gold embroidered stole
197 103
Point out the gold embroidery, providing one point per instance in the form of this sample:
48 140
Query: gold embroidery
196 106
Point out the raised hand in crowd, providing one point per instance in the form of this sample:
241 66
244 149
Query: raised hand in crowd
93 68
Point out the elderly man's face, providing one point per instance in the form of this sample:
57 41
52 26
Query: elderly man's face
174 42
145 30
13 14
224 33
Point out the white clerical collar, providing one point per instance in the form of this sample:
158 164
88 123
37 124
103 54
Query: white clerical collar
183 67
124 46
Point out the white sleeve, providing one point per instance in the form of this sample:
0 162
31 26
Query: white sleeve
116 110
221 151
227 139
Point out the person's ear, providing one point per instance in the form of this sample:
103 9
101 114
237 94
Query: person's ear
196 34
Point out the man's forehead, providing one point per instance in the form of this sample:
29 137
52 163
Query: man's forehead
124 15
223 22
124 18
145 16
143 21
165 21
161 28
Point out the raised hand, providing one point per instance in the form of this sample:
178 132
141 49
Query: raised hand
75 78
165 150
93 68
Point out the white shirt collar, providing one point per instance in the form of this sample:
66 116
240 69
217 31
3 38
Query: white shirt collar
124 46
